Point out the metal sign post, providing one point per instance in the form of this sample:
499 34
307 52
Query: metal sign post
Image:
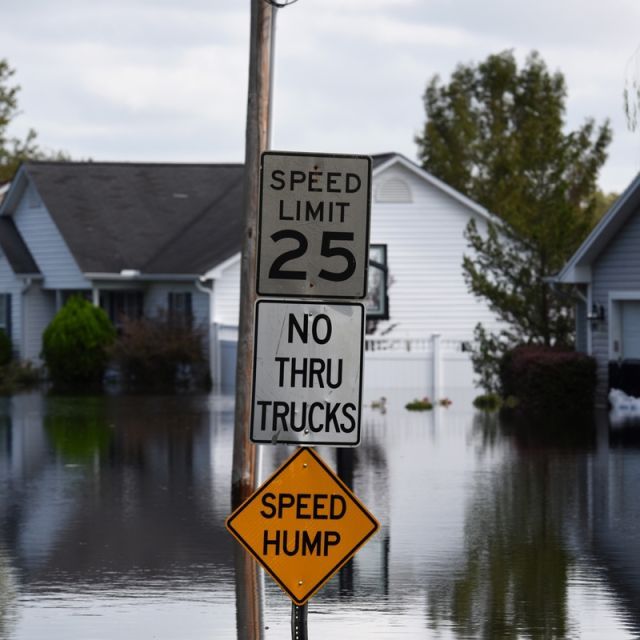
299 621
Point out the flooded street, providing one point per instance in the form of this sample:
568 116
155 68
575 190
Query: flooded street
112 517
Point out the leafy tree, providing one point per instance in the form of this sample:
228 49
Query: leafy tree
497 134
13 150
604 202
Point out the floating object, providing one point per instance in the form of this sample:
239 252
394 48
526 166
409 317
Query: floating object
625 409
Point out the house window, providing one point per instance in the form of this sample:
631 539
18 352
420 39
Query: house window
377 301
5 313
119 305
180 306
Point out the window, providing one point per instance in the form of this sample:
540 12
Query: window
377 301
5 313
180 307
119 305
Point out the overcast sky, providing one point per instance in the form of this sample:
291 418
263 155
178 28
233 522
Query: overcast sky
166 81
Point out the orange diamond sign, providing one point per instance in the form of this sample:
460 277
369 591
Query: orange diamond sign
302 524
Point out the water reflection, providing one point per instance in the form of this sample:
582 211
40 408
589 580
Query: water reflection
112 525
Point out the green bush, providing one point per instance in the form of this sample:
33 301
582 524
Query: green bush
487 402
549 383
18 376
75 344
6 348
161 354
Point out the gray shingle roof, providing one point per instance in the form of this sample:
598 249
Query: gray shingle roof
157 218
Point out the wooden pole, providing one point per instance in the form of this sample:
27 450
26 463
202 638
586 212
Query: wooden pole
244 467
244 471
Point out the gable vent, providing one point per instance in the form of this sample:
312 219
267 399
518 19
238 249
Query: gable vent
393 190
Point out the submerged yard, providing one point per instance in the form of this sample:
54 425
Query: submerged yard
112 517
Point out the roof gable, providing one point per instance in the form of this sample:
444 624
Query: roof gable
384 161
578 267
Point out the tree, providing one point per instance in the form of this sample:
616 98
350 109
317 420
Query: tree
13 150
497 134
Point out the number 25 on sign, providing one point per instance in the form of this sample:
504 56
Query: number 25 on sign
314 225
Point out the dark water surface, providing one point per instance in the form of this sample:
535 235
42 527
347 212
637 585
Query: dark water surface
112 527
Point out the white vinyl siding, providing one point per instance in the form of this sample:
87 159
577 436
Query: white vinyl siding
47 246
226 291
39 308
426 244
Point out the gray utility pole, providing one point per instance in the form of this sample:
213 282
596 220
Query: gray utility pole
244 471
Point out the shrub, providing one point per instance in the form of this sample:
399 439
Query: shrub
6 348
549 382
160 353
75 344
487 402
17 376
419 405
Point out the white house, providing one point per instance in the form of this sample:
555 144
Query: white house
137 237
421 222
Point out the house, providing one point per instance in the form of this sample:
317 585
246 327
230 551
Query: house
136 238
606 272
418 223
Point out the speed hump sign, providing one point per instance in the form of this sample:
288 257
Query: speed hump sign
313 222
302 524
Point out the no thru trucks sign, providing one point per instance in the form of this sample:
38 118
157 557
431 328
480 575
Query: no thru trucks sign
307 384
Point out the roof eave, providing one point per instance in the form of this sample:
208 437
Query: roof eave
581 261
142 277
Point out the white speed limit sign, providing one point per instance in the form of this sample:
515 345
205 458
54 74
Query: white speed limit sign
313 236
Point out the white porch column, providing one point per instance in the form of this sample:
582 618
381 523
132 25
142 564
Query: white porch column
95 296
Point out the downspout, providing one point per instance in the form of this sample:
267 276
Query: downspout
213 342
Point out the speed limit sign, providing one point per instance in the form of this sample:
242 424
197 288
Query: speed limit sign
313 236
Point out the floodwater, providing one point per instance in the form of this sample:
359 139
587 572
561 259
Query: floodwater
112 517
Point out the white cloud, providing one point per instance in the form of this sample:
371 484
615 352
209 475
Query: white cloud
133 77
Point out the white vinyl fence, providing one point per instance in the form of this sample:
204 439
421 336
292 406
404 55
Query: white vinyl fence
432 366
439 366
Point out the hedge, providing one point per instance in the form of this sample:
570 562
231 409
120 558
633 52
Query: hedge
549 383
